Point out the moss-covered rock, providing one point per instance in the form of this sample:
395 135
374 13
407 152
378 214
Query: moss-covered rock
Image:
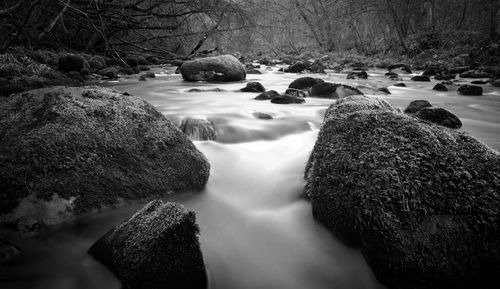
439 116
19 73
417 105
156 248
420 200
253 87
218 68
333 90
66 151
287 99
297 67
267 95
470 90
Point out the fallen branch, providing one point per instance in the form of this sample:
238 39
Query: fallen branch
54 22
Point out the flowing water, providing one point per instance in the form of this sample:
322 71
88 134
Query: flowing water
256 229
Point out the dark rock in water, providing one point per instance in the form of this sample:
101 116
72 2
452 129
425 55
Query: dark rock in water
253 87
475 74
88 147
420 200
471 90
262 115
421 78
198 129
304 82
333 90
384 90
297 67
8 252
253 71
496 83
480 82
267 95
317 67
295 92
390 73
72 62
440 87
251 65
156 248
395 78
324 89
287 99
109 72
403 67
417 105
439 116
400 84
142 78
206 90
217 68
357 74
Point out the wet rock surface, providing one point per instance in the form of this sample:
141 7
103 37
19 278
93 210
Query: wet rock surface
66 151
408 193
217 68
156 248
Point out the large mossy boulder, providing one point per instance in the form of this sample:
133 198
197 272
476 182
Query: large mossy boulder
66 151
156 248
218 68
420 200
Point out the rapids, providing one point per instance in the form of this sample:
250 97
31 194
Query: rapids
256 229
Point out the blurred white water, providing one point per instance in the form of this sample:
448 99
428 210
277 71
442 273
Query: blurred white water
256 229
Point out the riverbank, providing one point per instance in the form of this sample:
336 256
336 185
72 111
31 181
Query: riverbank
23 69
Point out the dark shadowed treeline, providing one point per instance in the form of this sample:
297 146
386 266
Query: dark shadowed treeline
269 26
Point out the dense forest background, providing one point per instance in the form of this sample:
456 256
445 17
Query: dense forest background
181 27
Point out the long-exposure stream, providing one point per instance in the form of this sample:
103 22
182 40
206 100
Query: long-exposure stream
256 228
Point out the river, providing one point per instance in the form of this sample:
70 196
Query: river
257 231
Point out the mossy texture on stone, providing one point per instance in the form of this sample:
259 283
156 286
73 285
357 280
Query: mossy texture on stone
93 144
156 248
422 201
217 68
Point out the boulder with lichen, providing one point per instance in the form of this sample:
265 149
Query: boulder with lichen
217 68
420 200
157 247
67 151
